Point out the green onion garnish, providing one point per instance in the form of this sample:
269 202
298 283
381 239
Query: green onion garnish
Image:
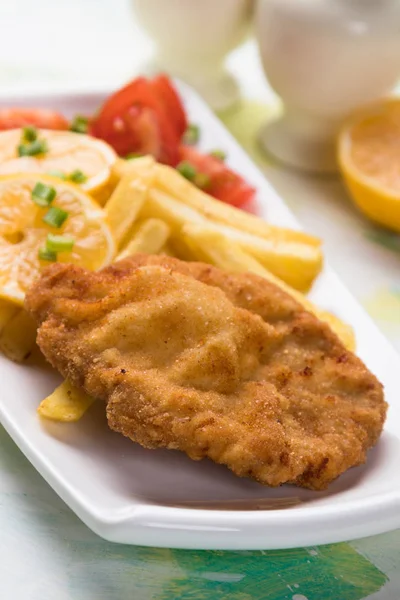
59 243
220 154
57 173
29 134
191 135
55 217
49 255
202 181
79 124
43 195
186 169
33 148
77 176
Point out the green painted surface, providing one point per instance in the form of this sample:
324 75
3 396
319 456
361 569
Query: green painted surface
338 573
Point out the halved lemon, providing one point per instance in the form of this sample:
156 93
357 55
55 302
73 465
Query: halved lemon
369 158
23 233
67 152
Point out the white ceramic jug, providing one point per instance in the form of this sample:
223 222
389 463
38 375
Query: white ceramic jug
192 39
324 58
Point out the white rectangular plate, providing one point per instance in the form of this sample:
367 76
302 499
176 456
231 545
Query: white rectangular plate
162 498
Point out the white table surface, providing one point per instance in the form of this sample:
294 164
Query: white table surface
45 552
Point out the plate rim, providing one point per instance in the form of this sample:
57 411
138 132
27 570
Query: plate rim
207 521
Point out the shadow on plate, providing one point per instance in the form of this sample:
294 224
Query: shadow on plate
170 478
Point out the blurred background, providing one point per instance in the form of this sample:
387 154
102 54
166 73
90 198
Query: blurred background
88 45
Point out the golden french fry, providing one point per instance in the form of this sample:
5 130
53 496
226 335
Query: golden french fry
123 167
104 194
176 215
172 182
295 263
149 237
210 246
167 250
183 250
163 206
67 404
124 206
7 312
18 336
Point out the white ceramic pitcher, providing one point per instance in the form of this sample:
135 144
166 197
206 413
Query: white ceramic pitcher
324 58
192 39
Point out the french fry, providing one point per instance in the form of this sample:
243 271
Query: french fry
210 246
167 250
18 336
183 250
175 213
296 264
103 195
149 237
173 183
7 311
123 167
66 404
124 206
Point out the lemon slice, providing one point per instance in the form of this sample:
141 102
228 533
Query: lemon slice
66 152
368 153
23 232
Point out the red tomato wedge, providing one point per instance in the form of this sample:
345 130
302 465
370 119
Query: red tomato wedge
13 118
164 89
225 184
144 116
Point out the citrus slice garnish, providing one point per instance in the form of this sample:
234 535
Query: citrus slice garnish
368 153
77 229
66 153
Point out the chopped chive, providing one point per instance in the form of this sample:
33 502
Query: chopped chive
191 135
55 217
43 195
49 255
23 150
57 173
29 134
77 176
220 154
202 181
79 124
59 243
133 155
186 169
32 148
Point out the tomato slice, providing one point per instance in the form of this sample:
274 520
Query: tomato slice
12 118
140 116
135 93
225 184
141 130
152 137
164 89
